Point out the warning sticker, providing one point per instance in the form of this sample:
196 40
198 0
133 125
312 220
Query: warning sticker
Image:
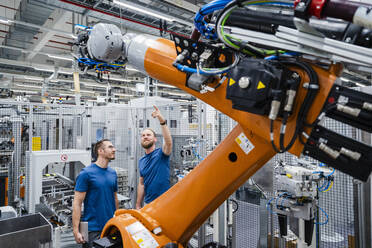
260 86
141 235
244 143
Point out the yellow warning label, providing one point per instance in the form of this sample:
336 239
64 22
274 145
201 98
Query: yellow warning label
232 81
139 241
244 143
260 85
36 143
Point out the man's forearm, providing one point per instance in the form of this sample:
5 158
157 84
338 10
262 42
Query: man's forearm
166 134
76 214
140 195
116 201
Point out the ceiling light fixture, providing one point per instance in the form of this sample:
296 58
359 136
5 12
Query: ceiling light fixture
33 78
142 10
359 84
94 85
43 69
25 91
120 79
174 93
166 85
29 86
130 68
5 21
122 94
59 57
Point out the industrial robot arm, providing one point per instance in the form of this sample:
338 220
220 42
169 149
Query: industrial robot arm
277 97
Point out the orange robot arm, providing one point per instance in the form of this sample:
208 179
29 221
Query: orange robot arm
176 215
172 219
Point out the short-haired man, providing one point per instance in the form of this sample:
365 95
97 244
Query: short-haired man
97 187
154 165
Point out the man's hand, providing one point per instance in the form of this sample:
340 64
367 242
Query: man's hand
79 238
157 114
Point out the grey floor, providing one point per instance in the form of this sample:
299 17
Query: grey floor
68 241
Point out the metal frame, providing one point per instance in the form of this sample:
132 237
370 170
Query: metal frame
38 160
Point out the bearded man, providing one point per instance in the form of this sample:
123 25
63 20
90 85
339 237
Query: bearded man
154 165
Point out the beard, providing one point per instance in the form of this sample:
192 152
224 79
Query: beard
147 145
111 157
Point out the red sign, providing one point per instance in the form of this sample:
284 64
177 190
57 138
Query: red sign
64 157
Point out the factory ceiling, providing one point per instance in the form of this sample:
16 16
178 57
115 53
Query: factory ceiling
36 39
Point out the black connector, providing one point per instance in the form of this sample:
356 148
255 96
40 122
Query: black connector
332 152
354 112
302 9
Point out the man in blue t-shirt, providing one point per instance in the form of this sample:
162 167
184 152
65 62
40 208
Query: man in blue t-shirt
154 166
96 186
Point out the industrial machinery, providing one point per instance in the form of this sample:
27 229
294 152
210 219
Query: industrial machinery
56 199
297 198
269 66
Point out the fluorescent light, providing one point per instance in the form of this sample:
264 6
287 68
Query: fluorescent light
345 79
25 91
43 69
140 87
120 79
33 78
62 93
64 72
130 69
122 94
166 85
4 21
30 86
59 57
174 93
94 85
142 10
360 85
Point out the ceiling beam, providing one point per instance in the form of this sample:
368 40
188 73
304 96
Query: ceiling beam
58 17
184 5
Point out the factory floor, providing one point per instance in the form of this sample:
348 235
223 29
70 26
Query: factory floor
68 241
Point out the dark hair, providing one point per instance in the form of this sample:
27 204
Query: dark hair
152 130
99 145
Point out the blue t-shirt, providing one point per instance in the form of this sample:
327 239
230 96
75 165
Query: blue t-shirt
154 168
100 184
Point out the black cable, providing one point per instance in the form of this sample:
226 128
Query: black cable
248 47
242 46
236 204
309 98
281 139
272 137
